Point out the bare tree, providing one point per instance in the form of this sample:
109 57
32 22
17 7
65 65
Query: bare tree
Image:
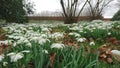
96 8
71 10
118 3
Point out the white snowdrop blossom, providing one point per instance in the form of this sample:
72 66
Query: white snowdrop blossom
109 33
45 51
74 28
43 41
34 38
30 28
1 57
45 29
5 63
26 41
57 45
44 35
17 37
81 39
29 44
57 35
81 31
92 43
10 36
14 44
15 56
97 21
116 52
25 51
104 45
17 31
6 42
74 34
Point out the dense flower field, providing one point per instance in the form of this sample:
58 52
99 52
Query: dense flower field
83 45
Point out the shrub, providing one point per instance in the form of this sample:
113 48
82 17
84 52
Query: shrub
116 17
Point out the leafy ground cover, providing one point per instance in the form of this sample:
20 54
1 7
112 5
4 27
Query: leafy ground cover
93 44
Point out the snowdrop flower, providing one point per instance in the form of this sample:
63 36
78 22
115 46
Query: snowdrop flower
45 51
43 40
97 21
75 34
116 54
5 63
29 44
104 45
26 41
14 44
1 57
15 56
85 32
25 51
6 42
3 42
44 35
57 35
81 39
92 43
94 28
30 28
74 28
34 39
109 33
19 41
23 28
45 29
17 31
17 37
57 45
10 36
81 31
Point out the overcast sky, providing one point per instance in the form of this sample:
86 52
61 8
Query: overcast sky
46 5
53 5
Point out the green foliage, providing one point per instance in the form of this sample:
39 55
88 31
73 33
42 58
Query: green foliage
44 56
76 58
15 10
116 17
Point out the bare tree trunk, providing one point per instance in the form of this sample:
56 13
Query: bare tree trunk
70 20
69 10
96 11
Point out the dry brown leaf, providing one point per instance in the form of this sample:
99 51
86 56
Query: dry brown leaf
88 49
91 39
31 65
112 39
4 48
52 59
103 56
2 36
105 53
109 60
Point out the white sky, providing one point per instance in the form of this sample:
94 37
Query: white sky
53 5
46 5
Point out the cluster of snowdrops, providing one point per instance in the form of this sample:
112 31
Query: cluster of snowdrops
83 44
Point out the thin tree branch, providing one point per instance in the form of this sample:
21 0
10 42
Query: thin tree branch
63 8
82 8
